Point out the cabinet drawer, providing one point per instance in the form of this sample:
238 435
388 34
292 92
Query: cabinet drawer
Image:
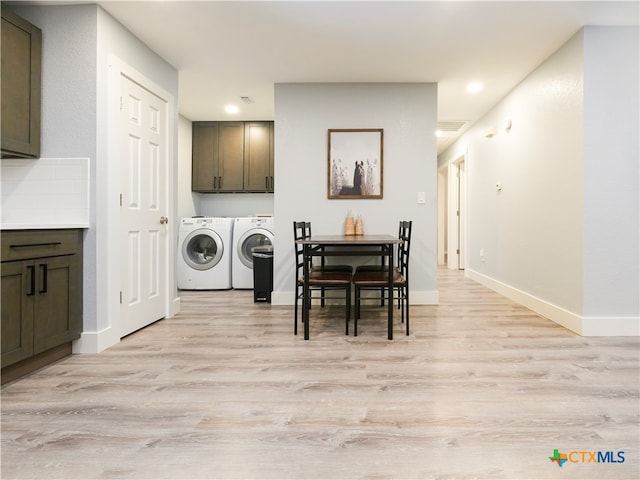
26 244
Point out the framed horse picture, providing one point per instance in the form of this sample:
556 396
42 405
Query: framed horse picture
355 163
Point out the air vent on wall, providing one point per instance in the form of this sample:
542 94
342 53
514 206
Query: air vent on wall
451 126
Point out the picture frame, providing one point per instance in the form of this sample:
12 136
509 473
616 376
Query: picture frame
355 163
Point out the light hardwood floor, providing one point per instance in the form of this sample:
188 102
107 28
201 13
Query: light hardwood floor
482 388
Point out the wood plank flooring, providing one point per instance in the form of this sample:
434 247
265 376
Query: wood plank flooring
482 388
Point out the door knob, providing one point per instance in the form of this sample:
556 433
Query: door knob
163 220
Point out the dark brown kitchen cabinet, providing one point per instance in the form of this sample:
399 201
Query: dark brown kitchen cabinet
258 156
41 289
232 157
217 157
20 87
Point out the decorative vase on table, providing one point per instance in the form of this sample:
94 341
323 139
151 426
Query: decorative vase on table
349 227
359 228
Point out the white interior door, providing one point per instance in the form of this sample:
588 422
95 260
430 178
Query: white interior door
462 215
442 215
144 206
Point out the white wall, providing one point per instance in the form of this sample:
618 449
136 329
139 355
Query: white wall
303 115
544 235
235 204
188 203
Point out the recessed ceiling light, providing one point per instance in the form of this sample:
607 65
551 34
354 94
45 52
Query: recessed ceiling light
474 87
231 109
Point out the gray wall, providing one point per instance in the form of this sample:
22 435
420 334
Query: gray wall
303 115
69 98
77 42
611 175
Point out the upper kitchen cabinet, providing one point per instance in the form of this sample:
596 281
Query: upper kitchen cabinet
258 156
21 82
232 157
217 156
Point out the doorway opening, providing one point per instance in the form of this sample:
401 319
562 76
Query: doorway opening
452 214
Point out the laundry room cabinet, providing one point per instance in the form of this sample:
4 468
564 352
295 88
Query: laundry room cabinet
20 85
258 156
41 286
232 157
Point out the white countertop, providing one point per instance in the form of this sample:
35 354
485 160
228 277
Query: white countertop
29 226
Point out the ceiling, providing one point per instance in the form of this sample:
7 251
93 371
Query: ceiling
232 49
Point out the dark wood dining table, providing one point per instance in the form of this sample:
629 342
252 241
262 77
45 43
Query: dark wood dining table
370 245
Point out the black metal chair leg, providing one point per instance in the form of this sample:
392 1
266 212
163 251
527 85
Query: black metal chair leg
295 316
356 312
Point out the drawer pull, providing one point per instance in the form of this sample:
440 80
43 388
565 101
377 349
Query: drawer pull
28 245
32 281
43 267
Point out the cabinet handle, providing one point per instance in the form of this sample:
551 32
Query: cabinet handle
32 280
266 182
27 245
214 182
219 182
272 185
43 268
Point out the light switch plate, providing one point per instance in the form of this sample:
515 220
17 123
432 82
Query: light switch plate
422 198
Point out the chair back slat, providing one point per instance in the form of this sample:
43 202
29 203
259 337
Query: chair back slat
403 249
301 230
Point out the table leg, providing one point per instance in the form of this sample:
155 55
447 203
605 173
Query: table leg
390 294
305 292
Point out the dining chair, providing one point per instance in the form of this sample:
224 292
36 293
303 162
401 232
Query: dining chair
320 280
377 279
325 267
382 265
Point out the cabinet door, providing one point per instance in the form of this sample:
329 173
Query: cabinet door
54 304
18 293
204 175
231 156
258 156
20 84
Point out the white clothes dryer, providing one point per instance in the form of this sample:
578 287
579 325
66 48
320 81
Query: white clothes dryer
248 232
205 250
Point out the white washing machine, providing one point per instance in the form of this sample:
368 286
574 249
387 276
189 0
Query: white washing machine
205 251
248 232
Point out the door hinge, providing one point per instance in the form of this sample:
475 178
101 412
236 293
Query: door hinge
120 199
457 211
121 104
120 296
457 252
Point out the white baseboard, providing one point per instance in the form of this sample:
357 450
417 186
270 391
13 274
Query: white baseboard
424 297
415 298
282 298
174 307
585 326
611 326
96 342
